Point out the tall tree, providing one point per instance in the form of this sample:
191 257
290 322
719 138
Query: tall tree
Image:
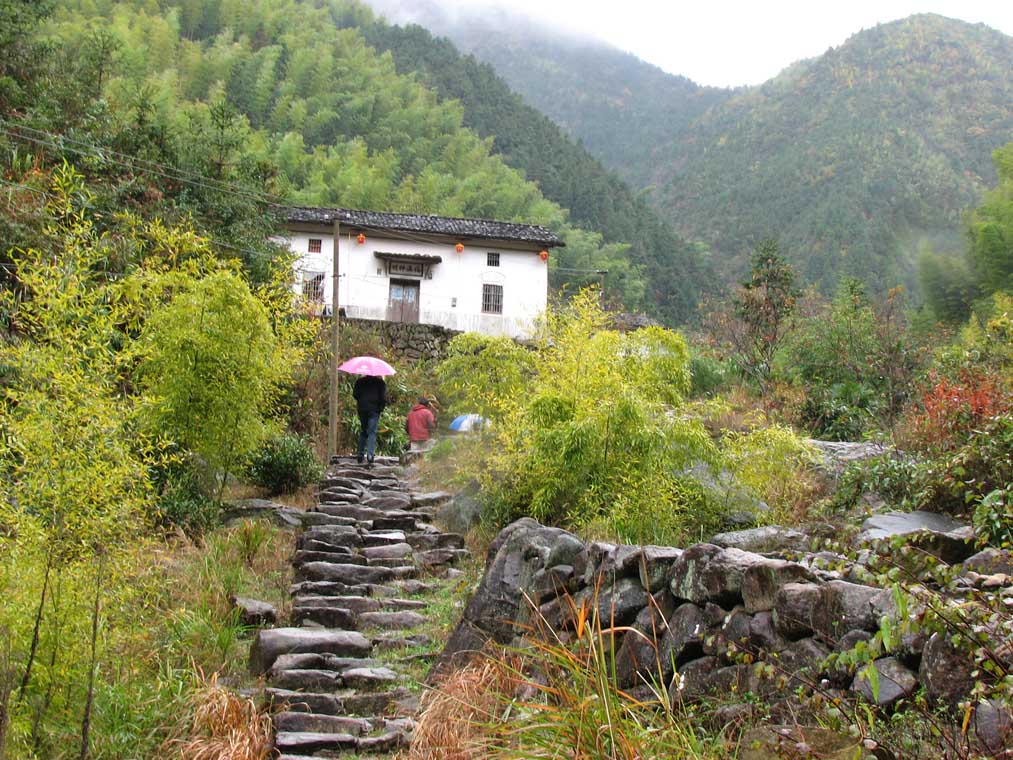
761 313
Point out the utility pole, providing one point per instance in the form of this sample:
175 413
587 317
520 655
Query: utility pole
601 286
332 407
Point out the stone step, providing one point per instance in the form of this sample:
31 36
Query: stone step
317 545
359 604
334 535
396 519
302 743
325 617
337 494
374 678
376 472
393 621
270 643
383 537
306 680
303 556
394 562
322 661
315 519
349 574
302 722
429 540
332 588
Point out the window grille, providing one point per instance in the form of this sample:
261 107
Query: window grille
492 259
313 286
492 299
316 245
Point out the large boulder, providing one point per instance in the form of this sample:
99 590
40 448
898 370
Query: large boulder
837 455
502 605
945 671
893 682
708 573
938 535
637 660
761 581
990 561
845 607
794 608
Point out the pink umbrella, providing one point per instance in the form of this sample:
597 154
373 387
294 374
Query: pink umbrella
367 365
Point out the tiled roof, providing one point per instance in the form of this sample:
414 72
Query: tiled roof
462 229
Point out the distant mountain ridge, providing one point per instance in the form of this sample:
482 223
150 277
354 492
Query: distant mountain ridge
528 140
854 159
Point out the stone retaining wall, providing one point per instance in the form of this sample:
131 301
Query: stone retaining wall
708 616
408 340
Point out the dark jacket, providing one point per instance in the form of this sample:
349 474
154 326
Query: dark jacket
370 394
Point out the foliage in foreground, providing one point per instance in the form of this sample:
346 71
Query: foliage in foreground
531 702
82 461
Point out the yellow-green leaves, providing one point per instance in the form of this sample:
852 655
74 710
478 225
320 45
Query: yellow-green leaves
587 423
210 365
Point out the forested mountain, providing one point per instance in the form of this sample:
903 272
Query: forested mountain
293 90
616 105
855 160
676 273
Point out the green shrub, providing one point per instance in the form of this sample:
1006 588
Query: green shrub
774 464
708 376
896 480
993 518
285 464
595 427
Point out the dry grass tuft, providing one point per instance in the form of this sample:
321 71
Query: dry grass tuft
458 719
223 726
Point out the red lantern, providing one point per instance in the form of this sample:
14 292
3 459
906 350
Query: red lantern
361 238
459 247
543 255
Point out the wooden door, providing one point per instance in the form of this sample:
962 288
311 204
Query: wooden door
403 303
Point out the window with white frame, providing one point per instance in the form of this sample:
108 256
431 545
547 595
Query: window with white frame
316 245
492 259
313 286
492 299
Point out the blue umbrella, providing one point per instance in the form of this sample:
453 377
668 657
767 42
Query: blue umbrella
466 422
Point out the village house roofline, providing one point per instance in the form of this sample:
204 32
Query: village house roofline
460 229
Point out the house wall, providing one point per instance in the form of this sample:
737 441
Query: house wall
452 297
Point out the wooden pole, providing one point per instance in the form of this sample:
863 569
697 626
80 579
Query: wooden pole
332 407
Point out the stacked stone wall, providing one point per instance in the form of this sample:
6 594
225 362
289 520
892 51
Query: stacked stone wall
712 621
412 341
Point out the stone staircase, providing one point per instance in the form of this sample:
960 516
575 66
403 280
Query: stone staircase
366 562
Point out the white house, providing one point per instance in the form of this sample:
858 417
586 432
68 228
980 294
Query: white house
464 274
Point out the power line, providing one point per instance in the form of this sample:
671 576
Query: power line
213 241
59 142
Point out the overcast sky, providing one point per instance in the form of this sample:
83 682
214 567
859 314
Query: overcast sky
735 42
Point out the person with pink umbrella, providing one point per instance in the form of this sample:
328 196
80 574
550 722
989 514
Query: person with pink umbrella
370 394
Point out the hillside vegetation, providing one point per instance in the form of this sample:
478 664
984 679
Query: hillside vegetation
304 98
855 160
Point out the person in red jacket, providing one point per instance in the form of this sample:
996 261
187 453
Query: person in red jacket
420 424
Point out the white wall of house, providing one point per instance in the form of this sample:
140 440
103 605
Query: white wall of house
450 294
